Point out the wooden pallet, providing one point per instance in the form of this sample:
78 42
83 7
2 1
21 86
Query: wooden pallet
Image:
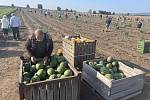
76 53
121 89
56 89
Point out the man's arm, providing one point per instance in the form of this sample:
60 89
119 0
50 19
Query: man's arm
28 47
11 21
50 46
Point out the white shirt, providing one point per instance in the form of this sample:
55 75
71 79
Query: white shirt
5 23
14 21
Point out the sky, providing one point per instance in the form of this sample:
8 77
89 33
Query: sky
119 6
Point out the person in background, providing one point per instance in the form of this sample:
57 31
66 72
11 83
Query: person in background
15 24
139 25
108 22
39 46
4 26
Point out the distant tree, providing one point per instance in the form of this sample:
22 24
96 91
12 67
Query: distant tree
12 5
90 11
27 6
94 12
113 13
71 10
58 8
40 6
66 10
128 14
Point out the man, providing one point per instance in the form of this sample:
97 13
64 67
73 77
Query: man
40 45
15 24
139 25
5 24
108 22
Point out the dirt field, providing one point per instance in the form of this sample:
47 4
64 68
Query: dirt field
113 43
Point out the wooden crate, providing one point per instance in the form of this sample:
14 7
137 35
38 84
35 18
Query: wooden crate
76 53
121 89
56 89
143 46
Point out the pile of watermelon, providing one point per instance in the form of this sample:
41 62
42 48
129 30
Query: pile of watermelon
108 67
56 68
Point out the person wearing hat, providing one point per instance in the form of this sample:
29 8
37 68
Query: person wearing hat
15 24
39 46
4 26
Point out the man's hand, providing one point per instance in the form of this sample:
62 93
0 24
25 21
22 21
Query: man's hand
45 59
33 59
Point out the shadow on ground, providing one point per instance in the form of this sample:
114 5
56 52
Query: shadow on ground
9 44
10 53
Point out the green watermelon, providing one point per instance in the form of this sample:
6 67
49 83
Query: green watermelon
109 59
58 75
61 69
109 65
53 62
35 78
39 66
115 69
102 63
33 69
53 76
115 64
27 74
68 72
50 71
97 66
109 76
60 59
26 67
104 70
26 80
42 74
63 64
62 76
47 67
117 76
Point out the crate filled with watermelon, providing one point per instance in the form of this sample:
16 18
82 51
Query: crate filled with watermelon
77 49
143 46
54 81
112 79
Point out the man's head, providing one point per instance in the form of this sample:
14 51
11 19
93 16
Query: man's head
39 35
4 16
12 14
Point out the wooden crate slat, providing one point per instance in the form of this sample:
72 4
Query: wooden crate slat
75 81
68 90
28 93
50 90
36 93
135 83
62 90
56 91
98 86
42 92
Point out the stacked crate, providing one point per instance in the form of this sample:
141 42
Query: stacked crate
76 53
143 46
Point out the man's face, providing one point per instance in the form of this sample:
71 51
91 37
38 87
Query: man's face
39 36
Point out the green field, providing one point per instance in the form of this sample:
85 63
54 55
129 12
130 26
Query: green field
6 11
